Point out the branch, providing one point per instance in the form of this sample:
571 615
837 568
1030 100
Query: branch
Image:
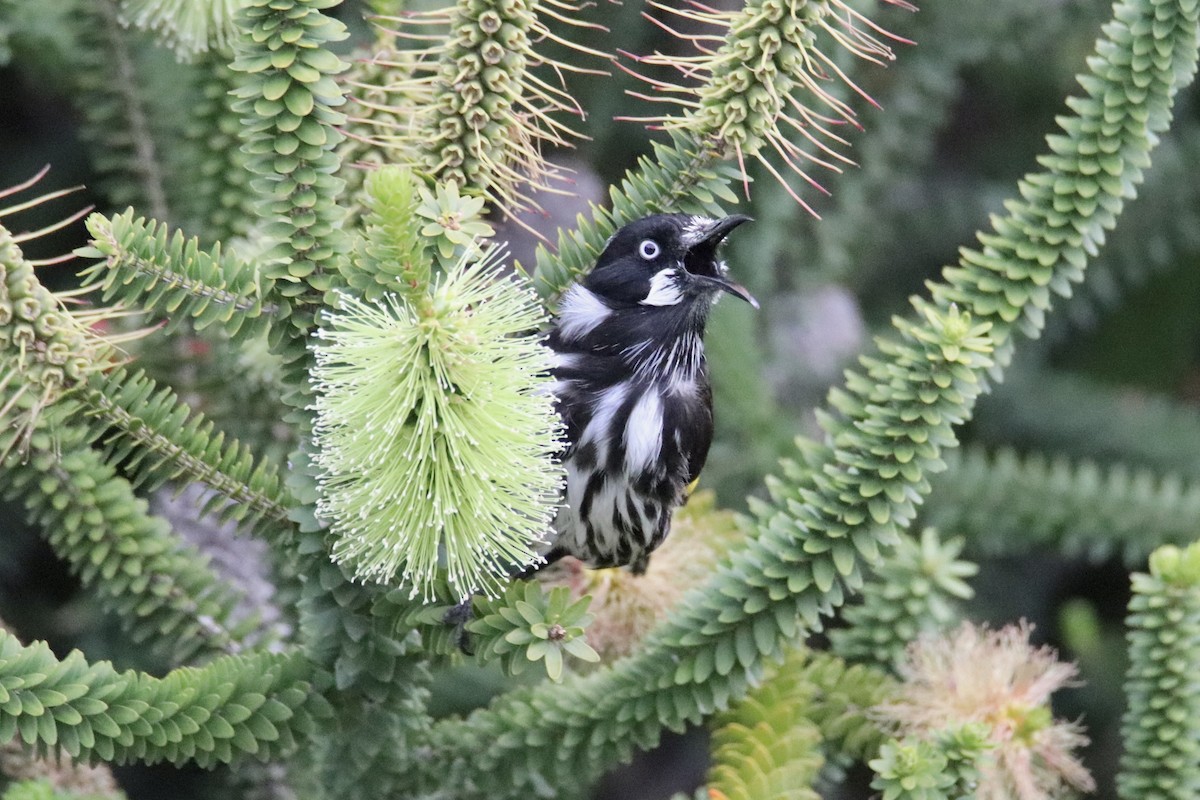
1161 726
160 439
1002 503
143 264
234 707
287 100
1075 416
158 589
119 125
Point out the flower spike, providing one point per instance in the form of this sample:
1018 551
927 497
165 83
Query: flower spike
486 116
435 434
767 76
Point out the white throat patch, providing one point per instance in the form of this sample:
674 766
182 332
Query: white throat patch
664 289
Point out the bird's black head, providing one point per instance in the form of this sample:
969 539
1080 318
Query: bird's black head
665 260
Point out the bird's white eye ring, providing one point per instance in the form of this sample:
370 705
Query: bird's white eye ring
649 249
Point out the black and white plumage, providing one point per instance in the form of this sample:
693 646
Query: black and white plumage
633 387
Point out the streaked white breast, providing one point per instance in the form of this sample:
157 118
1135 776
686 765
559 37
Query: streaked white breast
643 433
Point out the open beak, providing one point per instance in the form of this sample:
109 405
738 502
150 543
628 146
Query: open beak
737 290
704 252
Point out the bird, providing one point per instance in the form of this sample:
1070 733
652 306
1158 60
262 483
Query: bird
632 387
630 381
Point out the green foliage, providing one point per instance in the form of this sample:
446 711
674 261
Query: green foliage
218 197
1002 503
914 770
536 627
112 82
373 742
918 590
1162 722
1071 414
234 707
152 434
843 702
1157 232
931 768
476 115
760 84
825 703
160 590
766 745
288 100
409 228
144 263
452 223
348 696
44 790
391 256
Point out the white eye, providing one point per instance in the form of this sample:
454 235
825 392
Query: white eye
649 249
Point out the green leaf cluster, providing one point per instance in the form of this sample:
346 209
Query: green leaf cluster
160 590
113 80
536 627
936 768
391 256
45 790
288 100
916 591
767 745
170 274
249 706
218 200
1002 502
157 438
1162 722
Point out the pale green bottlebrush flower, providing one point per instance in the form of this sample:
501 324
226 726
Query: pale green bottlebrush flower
189 27
435 433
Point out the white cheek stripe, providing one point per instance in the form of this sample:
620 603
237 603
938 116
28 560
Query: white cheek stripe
664 291
580 312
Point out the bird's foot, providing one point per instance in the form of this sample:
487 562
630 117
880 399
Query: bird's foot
457 618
